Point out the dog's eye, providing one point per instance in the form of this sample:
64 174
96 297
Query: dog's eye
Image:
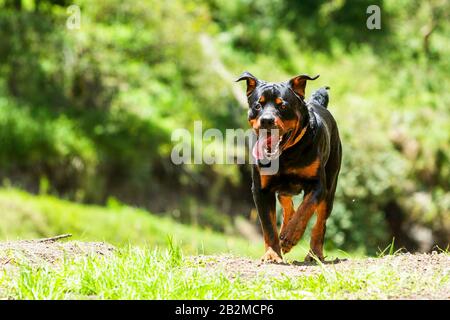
257 106
283 106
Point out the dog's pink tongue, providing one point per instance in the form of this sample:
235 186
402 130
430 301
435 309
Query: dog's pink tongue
260 145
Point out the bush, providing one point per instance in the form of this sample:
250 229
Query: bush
91 110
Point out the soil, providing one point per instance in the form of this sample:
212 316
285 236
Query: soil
36 252
248 268
426 264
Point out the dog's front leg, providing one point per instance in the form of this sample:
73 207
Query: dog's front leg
265 205
297 224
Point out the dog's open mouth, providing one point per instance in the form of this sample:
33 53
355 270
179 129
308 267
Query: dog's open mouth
268 145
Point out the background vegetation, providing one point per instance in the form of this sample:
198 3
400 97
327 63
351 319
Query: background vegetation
87 114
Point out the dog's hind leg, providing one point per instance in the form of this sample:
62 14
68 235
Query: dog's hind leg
318 232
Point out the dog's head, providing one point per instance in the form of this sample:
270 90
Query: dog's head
277 112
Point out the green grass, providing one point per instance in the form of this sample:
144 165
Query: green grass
140 273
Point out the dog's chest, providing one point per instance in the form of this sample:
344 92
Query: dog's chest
288 185
291 180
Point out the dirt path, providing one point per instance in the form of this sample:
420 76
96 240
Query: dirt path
37 252
427 267
248 268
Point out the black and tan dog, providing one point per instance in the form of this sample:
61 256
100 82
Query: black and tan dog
309 152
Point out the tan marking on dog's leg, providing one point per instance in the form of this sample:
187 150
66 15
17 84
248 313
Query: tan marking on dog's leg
265 179
297 225
288 210
318 234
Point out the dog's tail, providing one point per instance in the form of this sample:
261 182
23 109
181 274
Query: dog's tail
320 97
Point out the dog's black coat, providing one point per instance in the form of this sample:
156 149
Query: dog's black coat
319 146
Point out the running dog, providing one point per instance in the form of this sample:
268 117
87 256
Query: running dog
309 152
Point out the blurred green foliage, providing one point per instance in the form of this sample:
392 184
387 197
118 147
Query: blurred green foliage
91 111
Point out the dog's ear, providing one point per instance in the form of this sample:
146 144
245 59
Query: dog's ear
298 83
251 81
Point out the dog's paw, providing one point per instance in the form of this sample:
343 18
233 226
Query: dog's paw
271 256
286 246
286 243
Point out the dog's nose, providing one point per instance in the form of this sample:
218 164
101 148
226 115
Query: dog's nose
267 121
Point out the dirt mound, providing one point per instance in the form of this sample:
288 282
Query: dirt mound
248 268
426 266
416 276
51 250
